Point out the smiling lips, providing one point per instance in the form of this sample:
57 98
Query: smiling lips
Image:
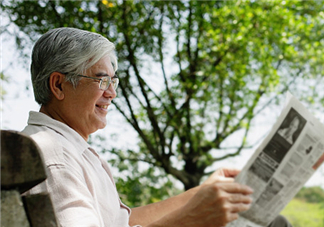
102 106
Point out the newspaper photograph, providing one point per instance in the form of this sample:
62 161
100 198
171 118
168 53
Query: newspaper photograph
282 164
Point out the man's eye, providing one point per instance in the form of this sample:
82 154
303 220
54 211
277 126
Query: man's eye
104 82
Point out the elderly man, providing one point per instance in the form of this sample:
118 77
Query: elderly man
74 81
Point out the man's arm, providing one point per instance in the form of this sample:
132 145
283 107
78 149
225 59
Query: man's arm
147 214
216 202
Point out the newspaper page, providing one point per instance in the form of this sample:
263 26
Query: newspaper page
282 164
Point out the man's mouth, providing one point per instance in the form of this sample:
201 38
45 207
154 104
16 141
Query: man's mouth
102 106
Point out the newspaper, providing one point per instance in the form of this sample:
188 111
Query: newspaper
282 164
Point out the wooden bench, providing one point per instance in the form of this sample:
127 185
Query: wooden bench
22 168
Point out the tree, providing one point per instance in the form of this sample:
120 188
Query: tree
231 59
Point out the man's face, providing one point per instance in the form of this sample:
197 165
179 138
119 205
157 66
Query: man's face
86 106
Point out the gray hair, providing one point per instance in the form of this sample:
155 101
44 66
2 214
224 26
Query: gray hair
69 51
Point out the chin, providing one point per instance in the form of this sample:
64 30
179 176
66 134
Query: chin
99 122
102 125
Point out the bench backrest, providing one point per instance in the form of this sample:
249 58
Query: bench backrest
22 168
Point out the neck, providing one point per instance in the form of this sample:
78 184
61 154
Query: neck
45 109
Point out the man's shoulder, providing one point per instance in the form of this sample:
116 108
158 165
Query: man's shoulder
49 143
57 147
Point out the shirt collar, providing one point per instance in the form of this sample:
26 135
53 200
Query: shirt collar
41 119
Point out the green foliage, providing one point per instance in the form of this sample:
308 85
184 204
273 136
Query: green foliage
3 79
229 59
301 213
142 187
137 184
307 208
311 195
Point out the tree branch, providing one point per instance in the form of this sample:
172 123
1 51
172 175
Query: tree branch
282 91
160 43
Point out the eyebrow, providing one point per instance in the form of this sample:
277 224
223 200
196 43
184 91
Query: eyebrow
105 74
101 74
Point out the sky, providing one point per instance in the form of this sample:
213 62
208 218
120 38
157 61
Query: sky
19 101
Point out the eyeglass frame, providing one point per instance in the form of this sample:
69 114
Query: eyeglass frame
110 80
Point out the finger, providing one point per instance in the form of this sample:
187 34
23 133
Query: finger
232 216
225 179
240 207
236 188
226 218
239 198
218 176
231 172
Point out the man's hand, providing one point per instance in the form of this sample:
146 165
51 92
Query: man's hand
216 204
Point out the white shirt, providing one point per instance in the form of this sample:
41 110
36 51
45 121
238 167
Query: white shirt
79 182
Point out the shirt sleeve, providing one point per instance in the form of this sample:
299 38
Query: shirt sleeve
72 201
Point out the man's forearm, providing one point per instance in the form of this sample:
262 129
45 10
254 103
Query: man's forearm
151 213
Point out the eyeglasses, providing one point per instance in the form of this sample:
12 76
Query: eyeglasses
105 81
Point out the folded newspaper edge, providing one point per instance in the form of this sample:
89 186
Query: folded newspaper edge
282 164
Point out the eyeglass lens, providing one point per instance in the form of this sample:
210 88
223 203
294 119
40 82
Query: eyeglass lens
106 81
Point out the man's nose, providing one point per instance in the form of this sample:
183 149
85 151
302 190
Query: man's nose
110 92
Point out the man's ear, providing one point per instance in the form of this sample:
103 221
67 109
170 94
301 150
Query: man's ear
55 82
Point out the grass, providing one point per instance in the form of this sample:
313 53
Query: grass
304 214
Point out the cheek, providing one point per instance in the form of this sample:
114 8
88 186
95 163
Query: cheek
90 103
80 107
85 101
